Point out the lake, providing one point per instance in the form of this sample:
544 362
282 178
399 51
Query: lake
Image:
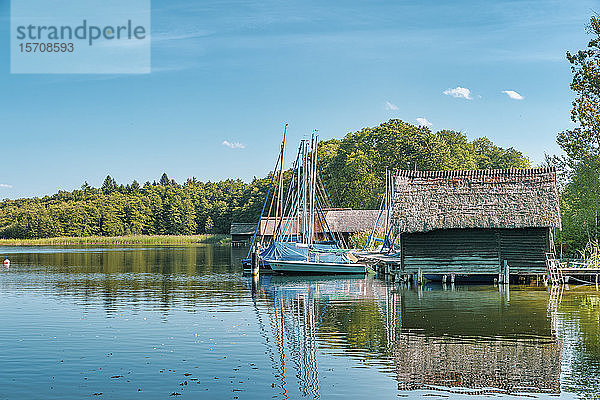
183 322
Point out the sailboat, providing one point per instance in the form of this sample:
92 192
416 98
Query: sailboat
302 241
383 225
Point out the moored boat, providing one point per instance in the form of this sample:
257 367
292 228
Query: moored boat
316 267
302 240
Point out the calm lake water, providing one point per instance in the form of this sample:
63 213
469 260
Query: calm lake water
182 322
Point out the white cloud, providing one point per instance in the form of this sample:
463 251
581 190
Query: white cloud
513 95
233 145
5 186
459 92
390 106
424 122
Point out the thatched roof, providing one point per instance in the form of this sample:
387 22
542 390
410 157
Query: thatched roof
352 221
500 198
242 228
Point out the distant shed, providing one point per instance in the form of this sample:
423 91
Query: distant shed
472 221
241 231
343 222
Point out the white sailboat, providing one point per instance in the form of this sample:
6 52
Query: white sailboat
302 241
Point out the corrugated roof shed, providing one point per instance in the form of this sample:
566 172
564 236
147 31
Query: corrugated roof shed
500 198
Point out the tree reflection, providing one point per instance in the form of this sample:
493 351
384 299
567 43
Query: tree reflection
434 339
578 321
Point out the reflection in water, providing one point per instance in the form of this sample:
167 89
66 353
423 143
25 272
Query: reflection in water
485 365
578 322
299 337
437 340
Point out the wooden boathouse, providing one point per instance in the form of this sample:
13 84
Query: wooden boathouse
475 222
342 222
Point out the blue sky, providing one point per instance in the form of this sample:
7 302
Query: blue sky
234 72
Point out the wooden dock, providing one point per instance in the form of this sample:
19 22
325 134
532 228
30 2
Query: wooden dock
591 275
389 266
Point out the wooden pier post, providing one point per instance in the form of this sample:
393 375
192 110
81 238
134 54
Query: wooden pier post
255 263
255 280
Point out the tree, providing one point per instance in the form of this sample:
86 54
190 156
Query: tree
164 180
580 166
109 186
208 226
584 140
354 167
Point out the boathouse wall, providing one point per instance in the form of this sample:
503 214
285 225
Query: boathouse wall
475 251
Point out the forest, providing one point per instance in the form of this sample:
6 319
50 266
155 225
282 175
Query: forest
353 169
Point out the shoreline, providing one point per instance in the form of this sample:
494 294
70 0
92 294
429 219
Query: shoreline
118 240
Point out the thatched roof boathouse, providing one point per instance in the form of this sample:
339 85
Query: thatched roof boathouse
471 222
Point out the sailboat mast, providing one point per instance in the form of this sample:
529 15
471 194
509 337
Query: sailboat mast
309 187
304 182
389 195
314 183
299 169
280 199
386 204
311 226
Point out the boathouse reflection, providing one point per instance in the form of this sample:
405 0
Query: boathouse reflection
470 340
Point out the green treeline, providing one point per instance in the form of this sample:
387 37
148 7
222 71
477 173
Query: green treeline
163 208
353 168
579 166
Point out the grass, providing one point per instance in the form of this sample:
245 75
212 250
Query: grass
129 239
591 253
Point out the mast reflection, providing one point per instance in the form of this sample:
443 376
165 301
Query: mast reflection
467 340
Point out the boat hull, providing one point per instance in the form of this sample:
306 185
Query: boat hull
304 267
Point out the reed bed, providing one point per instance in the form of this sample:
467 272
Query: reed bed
155 240
591 254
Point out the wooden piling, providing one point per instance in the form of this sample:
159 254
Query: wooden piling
255 263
